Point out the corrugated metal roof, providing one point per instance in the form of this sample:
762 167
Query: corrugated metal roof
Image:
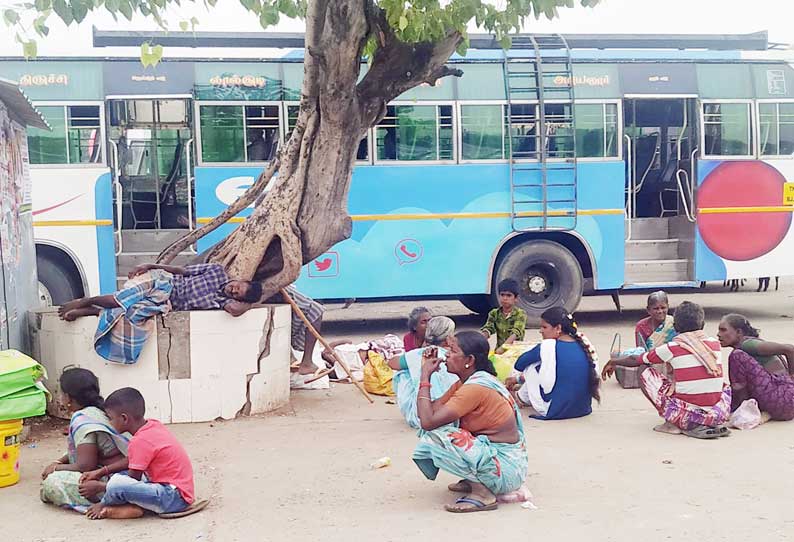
19 105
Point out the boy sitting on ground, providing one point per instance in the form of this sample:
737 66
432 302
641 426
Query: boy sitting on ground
153 451
508 321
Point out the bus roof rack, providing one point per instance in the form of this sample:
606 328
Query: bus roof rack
757 41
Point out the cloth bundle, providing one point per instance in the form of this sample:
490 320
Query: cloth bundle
22 395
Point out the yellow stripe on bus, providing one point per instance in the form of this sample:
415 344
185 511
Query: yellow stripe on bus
442 216
42 223
727 210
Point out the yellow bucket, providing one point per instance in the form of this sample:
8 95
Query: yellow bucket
10 432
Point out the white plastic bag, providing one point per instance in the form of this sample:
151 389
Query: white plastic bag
747 416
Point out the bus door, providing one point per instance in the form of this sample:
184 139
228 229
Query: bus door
660 145
151 140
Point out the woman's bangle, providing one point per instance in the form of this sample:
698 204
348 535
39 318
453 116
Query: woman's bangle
423 385
425 398
106 470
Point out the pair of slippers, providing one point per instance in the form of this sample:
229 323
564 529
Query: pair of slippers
708 433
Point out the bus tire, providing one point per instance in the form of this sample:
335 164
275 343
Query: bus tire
548 275
59 282
477 303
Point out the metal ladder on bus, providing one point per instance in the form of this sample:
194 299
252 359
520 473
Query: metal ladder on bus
543 190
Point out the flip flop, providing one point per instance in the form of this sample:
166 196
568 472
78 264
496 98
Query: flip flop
463 486
197 506
723 431
702 432
479 506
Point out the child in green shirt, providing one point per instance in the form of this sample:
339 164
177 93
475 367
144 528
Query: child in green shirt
508 321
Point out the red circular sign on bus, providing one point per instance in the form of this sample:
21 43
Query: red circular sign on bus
742 236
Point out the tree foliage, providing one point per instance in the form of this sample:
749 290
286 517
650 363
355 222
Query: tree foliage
412 21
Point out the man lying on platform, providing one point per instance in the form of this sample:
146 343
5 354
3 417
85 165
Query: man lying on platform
125 318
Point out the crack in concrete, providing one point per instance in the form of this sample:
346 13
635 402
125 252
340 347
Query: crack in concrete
264 351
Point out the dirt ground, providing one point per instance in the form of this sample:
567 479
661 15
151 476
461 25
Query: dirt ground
303 474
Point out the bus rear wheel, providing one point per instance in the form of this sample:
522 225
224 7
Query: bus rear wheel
57 283
548 275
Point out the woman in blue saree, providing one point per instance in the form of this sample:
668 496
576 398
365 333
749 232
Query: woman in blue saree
92 444
474 431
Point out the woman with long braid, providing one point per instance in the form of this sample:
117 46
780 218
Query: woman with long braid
558 377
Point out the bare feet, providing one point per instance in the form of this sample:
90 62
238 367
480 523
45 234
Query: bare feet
668 428
91 488
307 368
124 511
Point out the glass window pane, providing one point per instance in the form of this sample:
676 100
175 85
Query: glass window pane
85 134
611 122
445 133
524 134
727 129
559 131
482 137
596 130
786 129
410 133
49 147
768 123
221 133
262 132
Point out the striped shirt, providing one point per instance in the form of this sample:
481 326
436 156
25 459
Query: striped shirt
693 383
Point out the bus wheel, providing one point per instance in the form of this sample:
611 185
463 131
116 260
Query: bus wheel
57 284
477 303
548 275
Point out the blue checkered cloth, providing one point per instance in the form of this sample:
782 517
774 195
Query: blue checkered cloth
200 288
122 331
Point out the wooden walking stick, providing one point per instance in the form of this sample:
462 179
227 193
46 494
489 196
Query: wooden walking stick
325 344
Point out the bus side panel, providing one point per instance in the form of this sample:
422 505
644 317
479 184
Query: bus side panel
743 228
601 221
105 244
430 229
216 188
64 215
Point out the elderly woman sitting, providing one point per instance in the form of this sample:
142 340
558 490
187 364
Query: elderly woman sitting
696 401
473 431
417 327
408 367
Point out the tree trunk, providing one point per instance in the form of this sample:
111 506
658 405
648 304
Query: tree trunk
305 212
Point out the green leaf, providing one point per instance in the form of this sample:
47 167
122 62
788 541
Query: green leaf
403 24
79 10
183 25
126 9
289 8
30 49
63 11
269 16
11 17
193 23
43 5
40 27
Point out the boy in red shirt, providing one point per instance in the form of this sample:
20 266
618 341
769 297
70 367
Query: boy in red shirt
153 451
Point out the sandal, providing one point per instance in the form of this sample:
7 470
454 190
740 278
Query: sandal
477 506
723 431
197 506
702 432
462 486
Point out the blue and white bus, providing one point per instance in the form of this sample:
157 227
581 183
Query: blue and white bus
571 163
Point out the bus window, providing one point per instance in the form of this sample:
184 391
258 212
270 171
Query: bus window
416 133
292 117
727 129
596 130
239 133
76 136
559 130
482 132
523 119
776 123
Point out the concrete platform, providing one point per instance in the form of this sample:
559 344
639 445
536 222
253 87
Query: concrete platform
199 366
